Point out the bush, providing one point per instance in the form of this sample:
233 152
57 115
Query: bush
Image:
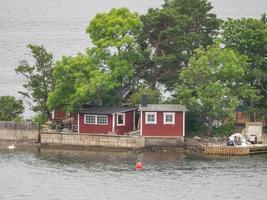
40 119
194 122
226 129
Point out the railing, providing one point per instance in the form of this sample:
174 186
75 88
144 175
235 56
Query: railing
18 125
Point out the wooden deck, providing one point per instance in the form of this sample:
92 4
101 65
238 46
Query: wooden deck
258 148
234 150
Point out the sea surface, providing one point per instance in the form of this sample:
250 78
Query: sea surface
60 26
85 175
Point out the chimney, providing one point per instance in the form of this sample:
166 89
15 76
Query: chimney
144 100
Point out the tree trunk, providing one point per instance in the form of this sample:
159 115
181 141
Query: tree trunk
210 124
154 76
48 114
253 115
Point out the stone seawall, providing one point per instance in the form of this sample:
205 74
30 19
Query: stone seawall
86 140
226 150
164 141
18 131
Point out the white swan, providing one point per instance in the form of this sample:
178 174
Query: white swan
12 146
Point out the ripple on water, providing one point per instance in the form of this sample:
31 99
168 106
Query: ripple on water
60 174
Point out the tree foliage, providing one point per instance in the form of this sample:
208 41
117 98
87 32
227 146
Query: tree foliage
153 96
39 81
99 76
249 37
116 28
10 108
79 81
172 33
114 36
212 84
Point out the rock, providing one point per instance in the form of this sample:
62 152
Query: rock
197 138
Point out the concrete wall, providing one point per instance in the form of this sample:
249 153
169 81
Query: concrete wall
164 141
111 141
18 131
254 129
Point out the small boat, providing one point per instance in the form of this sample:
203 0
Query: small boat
237 139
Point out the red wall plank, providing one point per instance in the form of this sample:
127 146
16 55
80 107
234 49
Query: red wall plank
59 114
120 130
161 129
93 128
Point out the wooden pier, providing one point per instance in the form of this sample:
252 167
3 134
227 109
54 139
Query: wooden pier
235 150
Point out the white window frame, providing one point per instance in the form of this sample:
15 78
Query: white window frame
169 113
123 114
106 116
96 122
155 117
86 115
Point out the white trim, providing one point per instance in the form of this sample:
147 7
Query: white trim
169 113
78 122
134 120
84 119
113 123
123 114
155 117
184 123
53 114
141 123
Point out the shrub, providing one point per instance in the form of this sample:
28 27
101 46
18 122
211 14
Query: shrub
225 129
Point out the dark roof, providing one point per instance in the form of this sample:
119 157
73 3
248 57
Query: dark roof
105 110
163 107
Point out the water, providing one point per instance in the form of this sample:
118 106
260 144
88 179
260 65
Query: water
64 174
60 26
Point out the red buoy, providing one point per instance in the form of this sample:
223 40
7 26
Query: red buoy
138 166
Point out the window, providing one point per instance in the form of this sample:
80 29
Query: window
121 119
90 119
96 119
169 118
151 117
102 119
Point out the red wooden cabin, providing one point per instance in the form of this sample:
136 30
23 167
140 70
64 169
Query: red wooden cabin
162 120
104 120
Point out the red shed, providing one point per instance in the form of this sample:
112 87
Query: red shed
162 120
106 120
58 114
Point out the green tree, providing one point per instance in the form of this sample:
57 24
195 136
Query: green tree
79 81
249 37
153 96
108 67
264 18
172 33
114 36
10 108
212 85
40 119
39 80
